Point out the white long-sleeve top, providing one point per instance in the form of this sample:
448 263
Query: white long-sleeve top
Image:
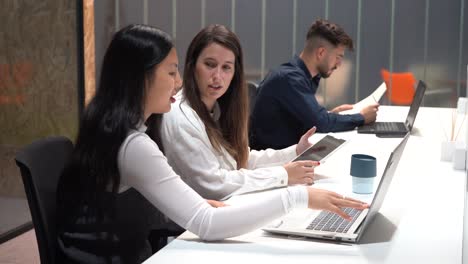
144 167
212 174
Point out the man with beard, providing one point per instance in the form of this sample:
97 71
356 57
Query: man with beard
285 105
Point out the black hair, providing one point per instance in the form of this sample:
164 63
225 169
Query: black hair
117 108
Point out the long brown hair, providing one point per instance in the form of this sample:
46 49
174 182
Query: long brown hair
231 132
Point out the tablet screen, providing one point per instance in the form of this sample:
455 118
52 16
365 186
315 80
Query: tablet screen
321 149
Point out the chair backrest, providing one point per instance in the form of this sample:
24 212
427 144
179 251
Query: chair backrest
400 86
41 164
252 94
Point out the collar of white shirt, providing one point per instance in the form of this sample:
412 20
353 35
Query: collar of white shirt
216 112
141 127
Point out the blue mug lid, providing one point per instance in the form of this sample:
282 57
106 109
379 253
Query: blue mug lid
364 166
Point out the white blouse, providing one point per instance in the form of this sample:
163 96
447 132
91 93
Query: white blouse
143 166
212 174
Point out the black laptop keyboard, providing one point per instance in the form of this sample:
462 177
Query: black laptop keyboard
331 222
389 126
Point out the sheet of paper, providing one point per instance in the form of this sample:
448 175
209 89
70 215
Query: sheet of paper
371 99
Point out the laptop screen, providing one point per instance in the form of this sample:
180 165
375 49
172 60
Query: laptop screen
387 177
417 100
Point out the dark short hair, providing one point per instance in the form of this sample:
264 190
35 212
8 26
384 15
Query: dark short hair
332 33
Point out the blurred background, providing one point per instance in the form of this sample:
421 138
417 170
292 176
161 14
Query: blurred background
425 37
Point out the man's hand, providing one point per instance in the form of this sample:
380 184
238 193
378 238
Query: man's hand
216 204
341 108
370 113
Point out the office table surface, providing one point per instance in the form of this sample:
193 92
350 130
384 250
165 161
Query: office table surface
421 219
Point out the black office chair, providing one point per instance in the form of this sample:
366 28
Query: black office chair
252 94
41 164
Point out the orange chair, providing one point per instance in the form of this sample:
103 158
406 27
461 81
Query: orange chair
400 86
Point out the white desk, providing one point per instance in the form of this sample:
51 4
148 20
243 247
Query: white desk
425 192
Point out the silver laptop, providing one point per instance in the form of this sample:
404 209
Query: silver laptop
330 226
397 129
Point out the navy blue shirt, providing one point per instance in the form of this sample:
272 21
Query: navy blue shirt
286 107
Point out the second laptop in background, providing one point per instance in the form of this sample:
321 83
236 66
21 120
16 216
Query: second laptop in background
397 129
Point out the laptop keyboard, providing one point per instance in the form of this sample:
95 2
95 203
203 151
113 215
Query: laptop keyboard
389 126
331 222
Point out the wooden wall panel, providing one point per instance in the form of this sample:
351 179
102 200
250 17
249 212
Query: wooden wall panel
89 50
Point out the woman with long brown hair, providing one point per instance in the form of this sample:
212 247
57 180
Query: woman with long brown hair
205 136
